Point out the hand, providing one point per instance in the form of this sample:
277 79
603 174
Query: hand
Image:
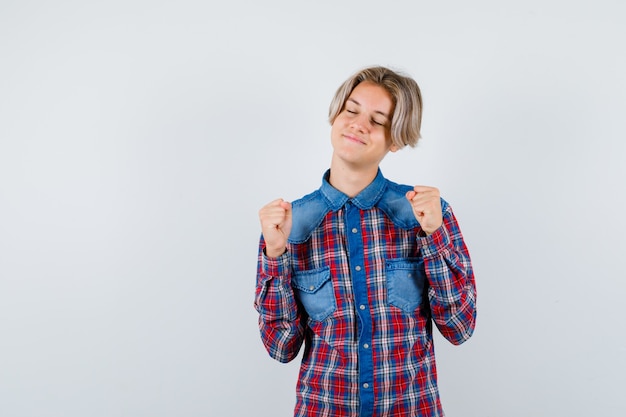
276 225
426 204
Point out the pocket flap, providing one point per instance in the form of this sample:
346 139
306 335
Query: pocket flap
310 281
406 282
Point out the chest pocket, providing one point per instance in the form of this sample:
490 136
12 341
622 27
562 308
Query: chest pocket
406 280
314 289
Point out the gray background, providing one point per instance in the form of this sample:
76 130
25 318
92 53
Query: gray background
138 139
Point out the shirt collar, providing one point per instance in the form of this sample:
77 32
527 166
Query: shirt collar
365 200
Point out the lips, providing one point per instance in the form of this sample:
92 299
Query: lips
353 138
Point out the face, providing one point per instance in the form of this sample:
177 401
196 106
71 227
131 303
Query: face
360 134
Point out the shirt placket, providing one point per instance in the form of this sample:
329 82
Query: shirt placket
363 309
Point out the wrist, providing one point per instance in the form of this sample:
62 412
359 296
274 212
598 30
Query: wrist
274 252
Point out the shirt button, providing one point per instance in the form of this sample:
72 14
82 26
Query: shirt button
358 267
365 345
311 288
362 307
366 385
354 230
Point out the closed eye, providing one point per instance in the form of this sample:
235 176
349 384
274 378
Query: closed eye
383 123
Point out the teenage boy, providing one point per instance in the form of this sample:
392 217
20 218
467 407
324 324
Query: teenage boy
359 269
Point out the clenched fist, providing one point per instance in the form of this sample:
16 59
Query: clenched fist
426 204
276 225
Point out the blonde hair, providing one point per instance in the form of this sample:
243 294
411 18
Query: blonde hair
405 93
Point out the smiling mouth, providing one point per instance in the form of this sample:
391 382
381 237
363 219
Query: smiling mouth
353 138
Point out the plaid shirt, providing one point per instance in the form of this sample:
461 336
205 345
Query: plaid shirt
361 285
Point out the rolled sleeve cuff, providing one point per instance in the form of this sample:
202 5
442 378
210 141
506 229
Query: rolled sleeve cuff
435 243
276 267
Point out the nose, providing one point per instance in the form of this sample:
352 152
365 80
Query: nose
360 123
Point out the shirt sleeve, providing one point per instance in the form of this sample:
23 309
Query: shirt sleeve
452 291
280 321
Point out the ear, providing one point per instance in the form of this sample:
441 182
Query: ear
394 147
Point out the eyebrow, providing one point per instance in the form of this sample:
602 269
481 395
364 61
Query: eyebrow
375 111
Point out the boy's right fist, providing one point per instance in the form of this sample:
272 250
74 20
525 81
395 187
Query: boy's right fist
275 220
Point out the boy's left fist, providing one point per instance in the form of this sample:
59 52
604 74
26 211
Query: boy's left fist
426 204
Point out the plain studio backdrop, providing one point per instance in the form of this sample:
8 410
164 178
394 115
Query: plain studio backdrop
138 139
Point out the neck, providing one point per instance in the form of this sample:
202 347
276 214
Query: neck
350 180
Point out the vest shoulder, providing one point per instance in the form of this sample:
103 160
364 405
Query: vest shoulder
395 205
307 213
